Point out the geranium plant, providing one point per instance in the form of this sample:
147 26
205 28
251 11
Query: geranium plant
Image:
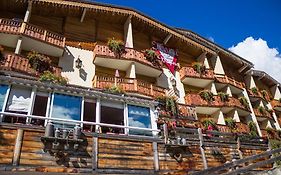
38 61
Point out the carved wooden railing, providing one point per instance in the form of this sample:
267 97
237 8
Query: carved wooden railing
242 128
276 104
265 113
19 63
223 128
231 81
190 72
252 94
195 99
23 28
128 85
130 54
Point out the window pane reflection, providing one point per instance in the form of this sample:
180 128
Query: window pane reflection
139 117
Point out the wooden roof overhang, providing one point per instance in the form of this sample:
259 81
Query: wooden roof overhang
17 79
265 78
115 14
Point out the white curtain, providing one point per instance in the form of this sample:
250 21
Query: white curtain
19 99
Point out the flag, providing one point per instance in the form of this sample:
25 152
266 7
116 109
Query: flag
167 55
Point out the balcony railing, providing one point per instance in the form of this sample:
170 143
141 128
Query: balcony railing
195 99
23 28
265 113
128 85
256 95
223 128
276 104
227 80
13 62
242 128
190 72
130 54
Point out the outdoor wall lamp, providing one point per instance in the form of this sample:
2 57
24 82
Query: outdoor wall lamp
78 63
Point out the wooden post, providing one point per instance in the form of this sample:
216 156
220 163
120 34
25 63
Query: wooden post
151 90
17 149
202 148
95 154
155 156
135 85
165 132
44 35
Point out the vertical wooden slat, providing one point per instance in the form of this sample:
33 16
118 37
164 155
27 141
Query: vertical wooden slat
17 149
202 148
95 154
155 156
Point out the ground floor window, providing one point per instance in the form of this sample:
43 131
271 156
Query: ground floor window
89 114
112 113
139 117
66 107
18 102
3 92
40 108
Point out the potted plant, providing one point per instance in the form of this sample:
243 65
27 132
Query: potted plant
48 76
38 61
116 46
207 95
223 96
261 109
115 90
253 129
230 123
199 67
244 102
169 104
254 90
209 124
264 94
152 56
270 132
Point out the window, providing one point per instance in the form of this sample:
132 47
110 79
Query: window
89 114
139 117
112 113
66 107
18 102
40 107
3 91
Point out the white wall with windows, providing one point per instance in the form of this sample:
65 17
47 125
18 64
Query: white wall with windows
69 108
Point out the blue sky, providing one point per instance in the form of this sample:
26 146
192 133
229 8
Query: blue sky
227 23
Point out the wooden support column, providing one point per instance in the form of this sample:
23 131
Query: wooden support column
202 148
128 33
95 154
28 12
155 156
17 148
167 39
83 15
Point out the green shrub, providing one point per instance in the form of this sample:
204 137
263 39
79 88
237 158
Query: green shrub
38 61
169 103
244 102
199 67
254 90
261 109
116 46
115 90
230 123
207 95
48 76
253 129
223 96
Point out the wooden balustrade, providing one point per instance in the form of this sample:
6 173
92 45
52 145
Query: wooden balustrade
128 85
13 62
242 128
227 80
223 128
195 99
265 113
22 28
190 72
276 104
129 54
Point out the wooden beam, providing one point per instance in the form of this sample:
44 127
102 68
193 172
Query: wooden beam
17 149
261 77
204 159
28 12
155 156
167 39
83 15
202 57
95 154
242 68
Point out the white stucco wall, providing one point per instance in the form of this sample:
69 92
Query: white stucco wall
83 76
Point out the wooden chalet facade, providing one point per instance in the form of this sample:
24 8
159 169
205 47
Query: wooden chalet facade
71 104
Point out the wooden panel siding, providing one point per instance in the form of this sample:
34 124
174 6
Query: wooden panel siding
107 30
7 144
116 154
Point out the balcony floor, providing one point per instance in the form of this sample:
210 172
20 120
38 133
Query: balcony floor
197 82
124 65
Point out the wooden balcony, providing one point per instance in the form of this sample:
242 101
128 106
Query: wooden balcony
22 28
102 54
254 95
17 63
227 80
190 77
242 128
276 105
187 112
223 128
264 114
195 99
129 85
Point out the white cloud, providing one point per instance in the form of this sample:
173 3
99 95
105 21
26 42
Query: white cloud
264 58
